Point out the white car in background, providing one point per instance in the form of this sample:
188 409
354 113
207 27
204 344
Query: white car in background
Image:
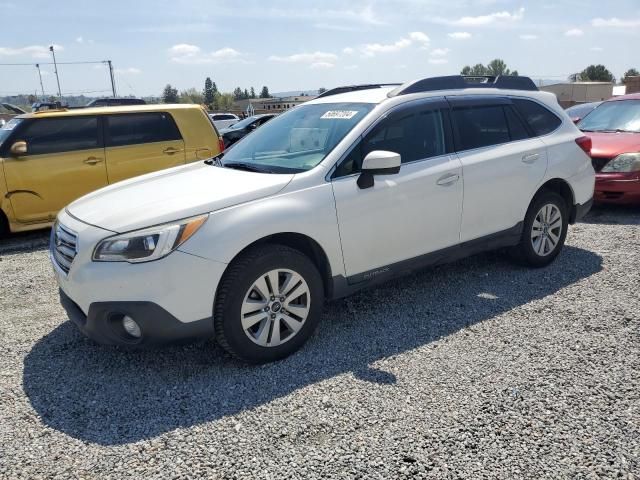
359 185
223 120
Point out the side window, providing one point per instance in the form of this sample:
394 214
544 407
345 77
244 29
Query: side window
414 134
517 130
136 128
481 126
541 120
61 134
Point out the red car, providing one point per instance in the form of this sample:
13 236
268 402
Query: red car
614 129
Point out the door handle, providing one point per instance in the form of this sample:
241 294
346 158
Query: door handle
92 160
530 158
448 179
171 150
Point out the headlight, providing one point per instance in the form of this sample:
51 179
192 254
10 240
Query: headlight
147 244
627 162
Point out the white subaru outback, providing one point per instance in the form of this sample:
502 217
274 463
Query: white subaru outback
359 185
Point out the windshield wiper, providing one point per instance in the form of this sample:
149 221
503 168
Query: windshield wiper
249 167
215 160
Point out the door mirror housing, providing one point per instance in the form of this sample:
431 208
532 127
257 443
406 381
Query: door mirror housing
378 162
19 148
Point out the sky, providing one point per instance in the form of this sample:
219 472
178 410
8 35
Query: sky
304 44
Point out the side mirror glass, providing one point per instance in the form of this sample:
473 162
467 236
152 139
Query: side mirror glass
378 162
19 148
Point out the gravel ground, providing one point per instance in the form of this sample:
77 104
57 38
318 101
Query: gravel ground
475 369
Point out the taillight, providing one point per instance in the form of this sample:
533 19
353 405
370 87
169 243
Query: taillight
585 144
221 144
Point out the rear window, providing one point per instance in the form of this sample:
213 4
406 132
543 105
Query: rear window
541 120
481 126
137 128
61 134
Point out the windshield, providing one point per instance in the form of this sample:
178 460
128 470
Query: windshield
616 116
8 127
298 140
244 123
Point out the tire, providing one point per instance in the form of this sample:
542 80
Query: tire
542 240
4 225
251 320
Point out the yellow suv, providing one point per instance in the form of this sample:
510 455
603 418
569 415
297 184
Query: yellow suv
50 158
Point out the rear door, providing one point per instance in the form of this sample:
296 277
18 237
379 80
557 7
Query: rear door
64 160
139 143
502 164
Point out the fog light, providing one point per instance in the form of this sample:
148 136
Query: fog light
131 327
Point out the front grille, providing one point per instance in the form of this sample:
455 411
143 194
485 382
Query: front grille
599 163
63 247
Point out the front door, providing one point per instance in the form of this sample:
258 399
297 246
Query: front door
139 143
408 214
64 160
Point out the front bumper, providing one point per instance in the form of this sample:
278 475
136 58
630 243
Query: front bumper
620 188
103 323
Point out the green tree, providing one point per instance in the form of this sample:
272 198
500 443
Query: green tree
225 101
596 73
237 93
208 93
191 95
245 94
264 93
252 93
169 94
494 67
477 69
632 72
321 90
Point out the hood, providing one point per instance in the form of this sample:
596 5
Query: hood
173 194
610 145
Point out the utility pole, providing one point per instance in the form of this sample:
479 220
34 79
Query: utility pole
113 80
55 69
40 76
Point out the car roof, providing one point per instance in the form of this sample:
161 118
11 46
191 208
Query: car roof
74 112
630 96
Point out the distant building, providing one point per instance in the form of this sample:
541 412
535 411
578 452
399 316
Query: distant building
570 94
270 105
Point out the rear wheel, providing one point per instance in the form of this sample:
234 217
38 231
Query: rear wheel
269 302
544 230
4 225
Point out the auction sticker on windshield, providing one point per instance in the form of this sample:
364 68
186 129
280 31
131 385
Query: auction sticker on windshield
340 114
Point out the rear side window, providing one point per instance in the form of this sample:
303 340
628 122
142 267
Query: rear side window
224 117
517 130
61 134
481 126
137 128
541 120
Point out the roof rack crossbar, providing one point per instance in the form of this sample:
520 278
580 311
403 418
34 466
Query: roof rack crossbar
458 82
353 88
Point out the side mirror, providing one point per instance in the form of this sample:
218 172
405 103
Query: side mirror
378 162
19 148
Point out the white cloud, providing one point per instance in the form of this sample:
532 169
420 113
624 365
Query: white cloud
371 49
192 54
616 22
574 32
348 51
79 40
438 61
351 67
489 19
459 35
311 58
321 65
439 52
420 37
128 71
34 51
596 49
528 36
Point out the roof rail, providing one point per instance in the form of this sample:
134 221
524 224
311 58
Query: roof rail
353 88
458 82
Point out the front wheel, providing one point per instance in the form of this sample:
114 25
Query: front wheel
544 231
268 304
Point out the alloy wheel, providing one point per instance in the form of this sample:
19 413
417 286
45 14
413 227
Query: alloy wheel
546 230
275 307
